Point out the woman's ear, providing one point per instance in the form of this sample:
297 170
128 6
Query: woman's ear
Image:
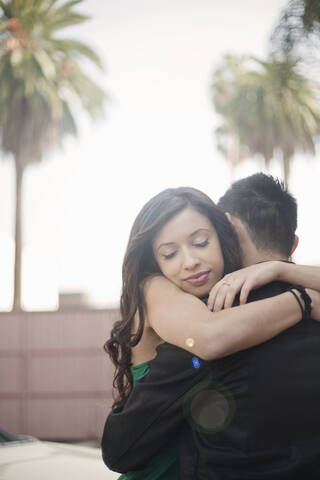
294 245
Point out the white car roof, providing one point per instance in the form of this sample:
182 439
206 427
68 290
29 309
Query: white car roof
36 460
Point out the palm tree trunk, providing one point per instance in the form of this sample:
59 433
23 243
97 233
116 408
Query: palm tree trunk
267 164
18 237
234 156
232 177
286 169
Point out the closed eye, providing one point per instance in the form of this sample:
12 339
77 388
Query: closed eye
201 244
169 255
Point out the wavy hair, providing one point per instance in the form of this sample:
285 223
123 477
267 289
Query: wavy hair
139 263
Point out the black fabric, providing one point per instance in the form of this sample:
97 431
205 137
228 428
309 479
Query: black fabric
275 431
273 394
135 432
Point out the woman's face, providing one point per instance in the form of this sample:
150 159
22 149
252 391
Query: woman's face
188 252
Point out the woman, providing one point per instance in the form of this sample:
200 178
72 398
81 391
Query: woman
180 234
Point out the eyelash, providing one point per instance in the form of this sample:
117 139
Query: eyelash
170 255
202 244
199 245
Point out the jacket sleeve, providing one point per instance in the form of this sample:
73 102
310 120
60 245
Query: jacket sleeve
152 414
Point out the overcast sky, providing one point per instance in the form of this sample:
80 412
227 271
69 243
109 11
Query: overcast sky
79 204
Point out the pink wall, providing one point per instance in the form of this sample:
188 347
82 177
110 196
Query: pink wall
55 378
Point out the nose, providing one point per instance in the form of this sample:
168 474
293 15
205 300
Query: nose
190 261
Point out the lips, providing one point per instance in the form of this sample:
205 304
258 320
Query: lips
198 279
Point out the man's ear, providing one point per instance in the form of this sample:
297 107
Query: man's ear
294 245
230 218
236 224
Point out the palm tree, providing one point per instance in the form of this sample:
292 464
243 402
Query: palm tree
269 106
299 22
41 81
224 86
297 34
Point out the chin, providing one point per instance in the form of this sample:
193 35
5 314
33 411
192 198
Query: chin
200 291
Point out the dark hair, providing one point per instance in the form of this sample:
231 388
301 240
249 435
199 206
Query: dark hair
267 209
139 263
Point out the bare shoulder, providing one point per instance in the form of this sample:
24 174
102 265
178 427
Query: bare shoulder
159 293
145 350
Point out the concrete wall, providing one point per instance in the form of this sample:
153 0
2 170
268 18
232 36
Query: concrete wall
55 378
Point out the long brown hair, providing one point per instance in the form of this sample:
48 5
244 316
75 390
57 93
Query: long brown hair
139 263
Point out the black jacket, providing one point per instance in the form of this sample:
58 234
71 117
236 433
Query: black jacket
253 415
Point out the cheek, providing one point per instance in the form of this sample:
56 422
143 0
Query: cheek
168 268
216 256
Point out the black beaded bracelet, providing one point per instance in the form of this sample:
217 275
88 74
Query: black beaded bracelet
306 311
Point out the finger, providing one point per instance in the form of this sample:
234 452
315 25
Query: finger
234 289
245 290
213 294
210 301
220 298
229 298
228 281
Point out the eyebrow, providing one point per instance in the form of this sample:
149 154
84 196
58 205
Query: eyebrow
191 235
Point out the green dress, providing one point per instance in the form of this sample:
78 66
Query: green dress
165 465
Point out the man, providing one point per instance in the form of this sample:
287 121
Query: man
252 414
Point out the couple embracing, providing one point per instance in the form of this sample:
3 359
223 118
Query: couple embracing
217 352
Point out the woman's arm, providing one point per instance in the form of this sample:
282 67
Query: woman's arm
185 321
246 279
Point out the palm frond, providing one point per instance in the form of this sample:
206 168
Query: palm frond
67 6
6 8
46 63
67 122
75 47
3 25
90 95
56 23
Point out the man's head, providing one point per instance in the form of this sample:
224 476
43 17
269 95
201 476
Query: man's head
264 216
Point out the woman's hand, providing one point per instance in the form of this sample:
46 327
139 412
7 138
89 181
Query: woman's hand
222 295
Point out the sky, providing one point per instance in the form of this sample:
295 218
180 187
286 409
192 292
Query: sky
80 203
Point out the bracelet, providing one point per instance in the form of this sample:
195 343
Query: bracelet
298 300
306 311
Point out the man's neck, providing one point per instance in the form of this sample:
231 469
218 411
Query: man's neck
256 256
250 254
